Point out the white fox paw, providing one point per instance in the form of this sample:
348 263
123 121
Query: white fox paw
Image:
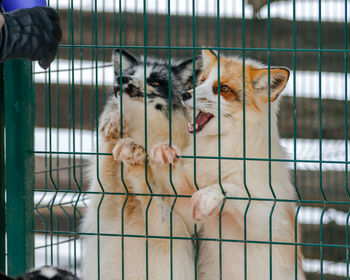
110 128
128 152
205 203
164 154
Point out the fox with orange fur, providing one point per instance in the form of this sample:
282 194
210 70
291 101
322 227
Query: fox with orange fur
236 199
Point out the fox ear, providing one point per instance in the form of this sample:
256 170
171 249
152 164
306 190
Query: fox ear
209 57
124 59
278 81
184 71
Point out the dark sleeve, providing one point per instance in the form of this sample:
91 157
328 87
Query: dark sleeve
32 34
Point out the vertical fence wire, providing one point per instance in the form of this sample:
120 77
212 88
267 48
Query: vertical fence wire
244 144
269 134
170 143
219 134
196 240
346 132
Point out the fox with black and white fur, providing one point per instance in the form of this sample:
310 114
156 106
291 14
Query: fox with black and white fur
264 230
123 221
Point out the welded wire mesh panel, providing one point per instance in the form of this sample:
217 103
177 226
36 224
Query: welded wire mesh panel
309 37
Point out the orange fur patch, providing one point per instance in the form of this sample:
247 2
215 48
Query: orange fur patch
252 81
231 75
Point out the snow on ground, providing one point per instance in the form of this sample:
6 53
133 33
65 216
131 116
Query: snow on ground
84 73
49 199
313 215
305 9
306 149
63 140
308 10
333 268
307 82
307 85
309 150
65 251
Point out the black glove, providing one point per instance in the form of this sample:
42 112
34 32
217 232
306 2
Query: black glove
31 34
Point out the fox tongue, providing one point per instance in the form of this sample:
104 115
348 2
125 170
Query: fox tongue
201 120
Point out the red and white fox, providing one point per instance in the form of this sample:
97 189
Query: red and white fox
256 223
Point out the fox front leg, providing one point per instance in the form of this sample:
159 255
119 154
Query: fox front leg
110 125
161 156
110 128
129 152
155 208
208 201
133 157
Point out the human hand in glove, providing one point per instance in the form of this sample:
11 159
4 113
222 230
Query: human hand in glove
31 34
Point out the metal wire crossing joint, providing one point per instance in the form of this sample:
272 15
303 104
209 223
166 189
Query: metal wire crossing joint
51 123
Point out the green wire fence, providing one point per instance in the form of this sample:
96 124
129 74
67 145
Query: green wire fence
46 185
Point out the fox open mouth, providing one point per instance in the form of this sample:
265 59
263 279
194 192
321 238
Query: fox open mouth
201 120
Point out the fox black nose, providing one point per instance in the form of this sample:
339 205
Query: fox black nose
185 96
125 79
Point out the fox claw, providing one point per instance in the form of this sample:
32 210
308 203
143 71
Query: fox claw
164 154
128 152
110 128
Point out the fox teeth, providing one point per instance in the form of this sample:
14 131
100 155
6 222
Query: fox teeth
196 126
188 124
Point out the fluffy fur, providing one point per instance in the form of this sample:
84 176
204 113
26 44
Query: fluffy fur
242 135
114 212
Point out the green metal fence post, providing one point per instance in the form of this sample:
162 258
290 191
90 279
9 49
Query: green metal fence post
2 173
19 122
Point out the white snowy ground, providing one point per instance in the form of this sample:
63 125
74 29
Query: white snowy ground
64 251
304 9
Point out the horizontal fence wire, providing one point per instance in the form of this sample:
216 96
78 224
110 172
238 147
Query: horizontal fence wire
205 48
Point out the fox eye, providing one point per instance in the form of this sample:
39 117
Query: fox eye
155 84
225 88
